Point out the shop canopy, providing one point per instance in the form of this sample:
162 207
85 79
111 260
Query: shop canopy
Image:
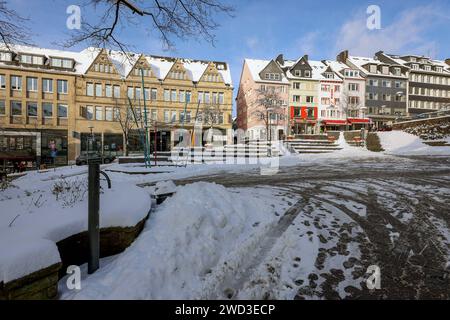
357 121
334 122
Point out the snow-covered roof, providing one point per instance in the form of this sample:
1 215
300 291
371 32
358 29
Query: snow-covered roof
256 66
338 67
124 63
361 62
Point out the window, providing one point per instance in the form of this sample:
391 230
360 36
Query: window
386 97
2 107
98 113
221 98
2 81
98 90
61 63
166 116
296 85
154 94
90 89
154 114
16 108
138 93
353 87
174 116
16 83
353 100
47 109
373 83
182 95
108 92
62 111
63 87
200 96
214 97
109 114
386 83
325 88
173 95
207 97
130 92
116 114
188 96
47 85
32 84
30 59
116 91
307 73
372 96
5 56
297 73
398 84
166 95
89 112
147 93
397 71
415 67
309 99
385 70
373 68
296 98
32 109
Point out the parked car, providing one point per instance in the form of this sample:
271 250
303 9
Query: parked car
82 159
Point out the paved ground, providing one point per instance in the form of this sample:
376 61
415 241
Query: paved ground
390 212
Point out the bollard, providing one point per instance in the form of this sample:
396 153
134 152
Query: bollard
93 218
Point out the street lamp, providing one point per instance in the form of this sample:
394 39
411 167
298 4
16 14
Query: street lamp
90 140
269 125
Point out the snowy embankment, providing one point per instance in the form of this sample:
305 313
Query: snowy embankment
402 143
41 209
188 238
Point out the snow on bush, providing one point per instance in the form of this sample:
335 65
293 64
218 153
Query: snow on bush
428 131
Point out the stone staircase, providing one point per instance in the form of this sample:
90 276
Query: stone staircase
312 144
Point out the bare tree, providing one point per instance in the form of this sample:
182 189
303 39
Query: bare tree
211 114
181 19
128 120
268 103
13 28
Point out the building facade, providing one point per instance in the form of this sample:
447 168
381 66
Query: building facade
51 101
258 77
303 94
386 88
429 81
352 96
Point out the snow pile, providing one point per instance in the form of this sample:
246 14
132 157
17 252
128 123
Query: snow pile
165 187
41 209
184 240
402 143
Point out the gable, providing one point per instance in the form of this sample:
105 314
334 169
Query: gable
143 64
302 69
272 72
178 72
211 74
102 64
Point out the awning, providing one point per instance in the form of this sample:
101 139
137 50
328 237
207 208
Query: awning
355 120
336 122
299 120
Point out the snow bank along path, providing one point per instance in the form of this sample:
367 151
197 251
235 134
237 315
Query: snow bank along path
402 143
189 237
33 220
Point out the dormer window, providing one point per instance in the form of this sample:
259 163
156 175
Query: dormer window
6 56
307 74
146 72
30 59
385 70
427 68
438 69
415 67
397 71
373 68
61 63
413 59
329 75
297 73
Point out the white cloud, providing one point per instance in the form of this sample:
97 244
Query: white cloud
306 44
406 34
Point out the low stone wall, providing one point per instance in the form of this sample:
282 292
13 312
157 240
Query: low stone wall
43 284
414 123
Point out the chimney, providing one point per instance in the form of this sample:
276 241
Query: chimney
280 59
342 57
306 57
447 61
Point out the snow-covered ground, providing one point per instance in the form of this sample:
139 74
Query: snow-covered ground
41 209
301 232
402 143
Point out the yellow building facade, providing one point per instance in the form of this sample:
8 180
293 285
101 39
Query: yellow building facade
52 101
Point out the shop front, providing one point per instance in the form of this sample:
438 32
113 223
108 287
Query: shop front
358 123
303 120
333 125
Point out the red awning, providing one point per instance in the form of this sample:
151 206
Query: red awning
355 120
331 122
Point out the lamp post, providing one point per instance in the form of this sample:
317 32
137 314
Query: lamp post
90 140
269 125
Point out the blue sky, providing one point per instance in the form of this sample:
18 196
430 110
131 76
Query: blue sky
264 28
